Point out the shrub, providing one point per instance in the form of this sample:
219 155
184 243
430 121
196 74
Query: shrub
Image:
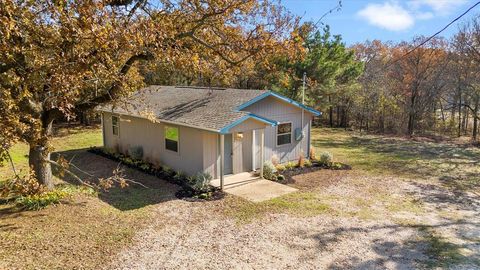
168 171
180 177
42 200
280 167
201 182
301 161
275 160
280 177
290 165
312 153
136 152
145 167
308 163
269 170
326 158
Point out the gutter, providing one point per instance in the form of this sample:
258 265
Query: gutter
163 121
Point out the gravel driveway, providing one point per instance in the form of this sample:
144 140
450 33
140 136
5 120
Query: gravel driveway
189 236
198 235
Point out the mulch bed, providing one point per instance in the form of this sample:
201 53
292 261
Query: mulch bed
289 174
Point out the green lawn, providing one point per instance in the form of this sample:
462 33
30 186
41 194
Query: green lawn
65 139
455 165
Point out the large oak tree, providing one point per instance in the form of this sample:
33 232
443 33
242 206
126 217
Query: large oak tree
58 58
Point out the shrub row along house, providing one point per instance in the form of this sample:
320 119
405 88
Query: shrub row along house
220 131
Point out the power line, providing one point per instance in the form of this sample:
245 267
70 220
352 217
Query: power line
434 35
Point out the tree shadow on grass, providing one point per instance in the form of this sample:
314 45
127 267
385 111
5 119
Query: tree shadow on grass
425 250
134 196
456 166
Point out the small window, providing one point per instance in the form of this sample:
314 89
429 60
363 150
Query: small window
284 134
171 138
115 125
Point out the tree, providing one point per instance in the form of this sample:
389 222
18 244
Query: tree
467 46
418 77
331 70
58 58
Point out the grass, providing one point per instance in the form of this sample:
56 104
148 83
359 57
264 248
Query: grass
454 165
66 138
84 230
441 251
80 233
298 203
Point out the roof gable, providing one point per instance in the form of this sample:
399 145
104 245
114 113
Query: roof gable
280 97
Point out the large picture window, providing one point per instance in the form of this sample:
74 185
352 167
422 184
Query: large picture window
284 134
115 125
171 138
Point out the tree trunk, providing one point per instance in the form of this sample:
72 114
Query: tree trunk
411 117
459 132
338 116
43 170
330 112
475 120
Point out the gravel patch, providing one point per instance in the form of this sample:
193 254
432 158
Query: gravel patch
198 235
193 236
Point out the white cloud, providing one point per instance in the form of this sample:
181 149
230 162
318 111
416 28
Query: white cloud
424 15
389 15
440 7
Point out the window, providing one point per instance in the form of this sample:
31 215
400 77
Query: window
115 125
171 138
284 134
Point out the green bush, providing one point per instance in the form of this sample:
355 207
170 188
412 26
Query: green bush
136 152
269 170
44 199
200 182
39 201
326 159
290 165
280 177
179 177
280 167
168 171
308 163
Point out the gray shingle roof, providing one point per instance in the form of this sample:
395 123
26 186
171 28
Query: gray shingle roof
206 108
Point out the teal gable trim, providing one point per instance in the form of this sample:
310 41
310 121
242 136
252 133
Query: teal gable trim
288 100
226 129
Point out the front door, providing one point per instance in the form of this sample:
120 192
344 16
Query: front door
228 152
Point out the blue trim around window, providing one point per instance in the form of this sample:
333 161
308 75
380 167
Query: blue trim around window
226 129
288 100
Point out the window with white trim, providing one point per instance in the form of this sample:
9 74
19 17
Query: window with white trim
284 134
171 138
115 122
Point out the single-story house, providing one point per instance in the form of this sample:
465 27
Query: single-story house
221 131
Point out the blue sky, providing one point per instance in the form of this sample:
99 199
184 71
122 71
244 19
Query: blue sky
395 20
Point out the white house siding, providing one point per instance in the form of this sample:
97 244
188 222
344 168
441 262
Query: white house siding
281 111
134 131
210 153
248 125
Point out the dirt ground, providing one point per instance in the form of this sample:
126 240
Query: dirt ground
404 205
433 229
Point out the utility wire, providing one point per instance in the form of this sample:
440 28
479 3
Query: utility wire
434 35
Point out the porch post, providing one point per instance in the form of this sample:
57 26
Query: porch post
262 151
222 157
